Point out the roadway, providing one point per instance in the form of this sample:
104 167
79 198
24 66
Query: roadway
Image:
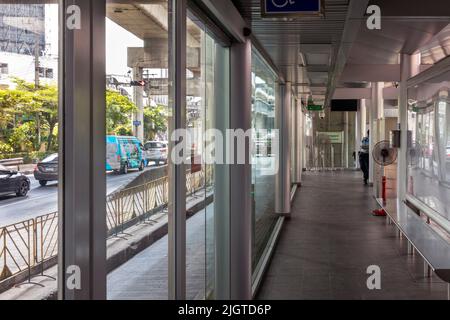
44 200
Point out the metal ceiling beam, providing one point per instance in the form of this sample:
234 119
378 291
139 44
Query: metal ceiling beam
354 20
370 73
390 93
413 8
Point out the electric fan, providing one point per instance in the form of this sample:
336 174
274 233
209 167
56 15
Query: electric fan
384 155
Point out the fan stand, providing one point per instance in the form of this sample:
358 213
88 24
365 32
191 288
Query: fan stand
381 212
411 185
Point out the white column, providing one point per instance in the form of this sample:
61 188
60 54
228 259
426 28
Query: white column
409 67
283 181
138 116
358 137
346 139
377 113
299 142
371 140
240 175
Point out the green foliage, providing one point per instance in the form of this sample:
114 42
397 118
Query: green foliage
28 116
155 121
122 130
118 113
5 148
29 119
23 137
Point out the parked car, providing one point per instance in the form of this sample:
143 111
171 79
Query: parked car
124 153
47 170
156 151
13 182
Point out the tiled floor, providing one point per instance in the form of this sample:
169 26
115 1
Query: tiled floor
325 249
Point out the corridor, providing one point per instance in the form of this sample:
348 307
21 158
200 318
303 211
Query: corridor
330 241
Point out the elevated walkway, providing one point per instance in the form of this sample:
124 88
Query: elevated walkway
325 249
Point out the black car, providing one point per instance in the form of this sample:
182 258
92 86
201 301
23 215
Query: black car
12 181
47 170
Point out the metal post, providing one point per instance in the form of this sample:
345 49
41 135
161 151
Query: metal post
82 184
283 179
177 172
222 178
377 111
358 137
299 129
346 140
138 115
240 175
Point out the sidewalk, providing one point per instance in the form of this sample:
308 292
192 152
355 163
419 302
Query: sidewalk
325 249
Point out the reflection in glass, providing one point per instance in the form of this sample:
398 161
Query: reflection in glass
429 148
29 123
137 111
202 103
263 173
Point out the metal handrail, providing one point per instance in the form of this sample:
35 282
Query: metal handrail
31 243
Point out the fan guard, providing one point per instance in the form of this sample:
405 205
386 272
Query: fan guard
415 152
383 154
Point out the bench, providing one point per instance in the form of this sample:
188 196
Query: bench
434 249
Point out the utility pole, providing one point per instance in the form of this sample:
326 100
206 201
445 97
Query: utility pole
36 83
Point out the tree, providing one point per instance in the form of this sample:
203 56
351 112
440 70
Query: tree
11 102
43 107
119 109
155 121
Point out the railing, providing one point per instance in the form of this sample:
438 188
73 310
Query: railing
27 245
16 162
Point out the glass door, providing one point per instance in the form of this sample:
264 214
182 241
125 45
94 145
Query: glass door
207 100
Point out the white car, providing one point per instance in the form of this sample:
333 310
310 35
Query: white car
156 151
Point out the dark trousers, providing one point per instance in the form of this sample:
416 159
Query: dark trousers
364 163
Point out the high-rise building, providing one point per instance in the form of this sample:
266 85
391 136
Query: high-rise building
21 27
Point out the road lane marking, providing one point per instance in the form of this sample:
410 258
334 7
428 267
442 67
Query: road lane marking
25 200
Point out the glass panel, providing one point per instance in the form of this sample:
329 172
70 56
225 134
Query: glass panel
293 144
263 173
198 95
429 150
137 132
202 103
29 142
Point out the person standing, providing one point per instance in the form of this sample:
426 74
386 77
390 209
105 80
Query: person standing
364 157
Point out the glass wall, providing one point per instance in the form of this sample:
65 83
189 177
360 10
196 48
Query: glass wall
263 159
206 94
137 114
29 123
429 148
293 139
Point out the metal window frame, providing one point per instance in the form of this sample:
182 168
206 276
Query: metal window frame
177 172
82 187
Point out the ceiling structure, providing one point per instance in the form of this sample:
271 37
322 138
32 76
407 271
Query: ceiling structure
305 49
338 56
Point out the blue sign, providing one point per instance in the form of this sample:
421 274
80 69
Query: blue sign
137 123
291 7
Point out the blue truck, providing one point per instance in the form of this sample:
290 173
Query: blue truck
124 153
